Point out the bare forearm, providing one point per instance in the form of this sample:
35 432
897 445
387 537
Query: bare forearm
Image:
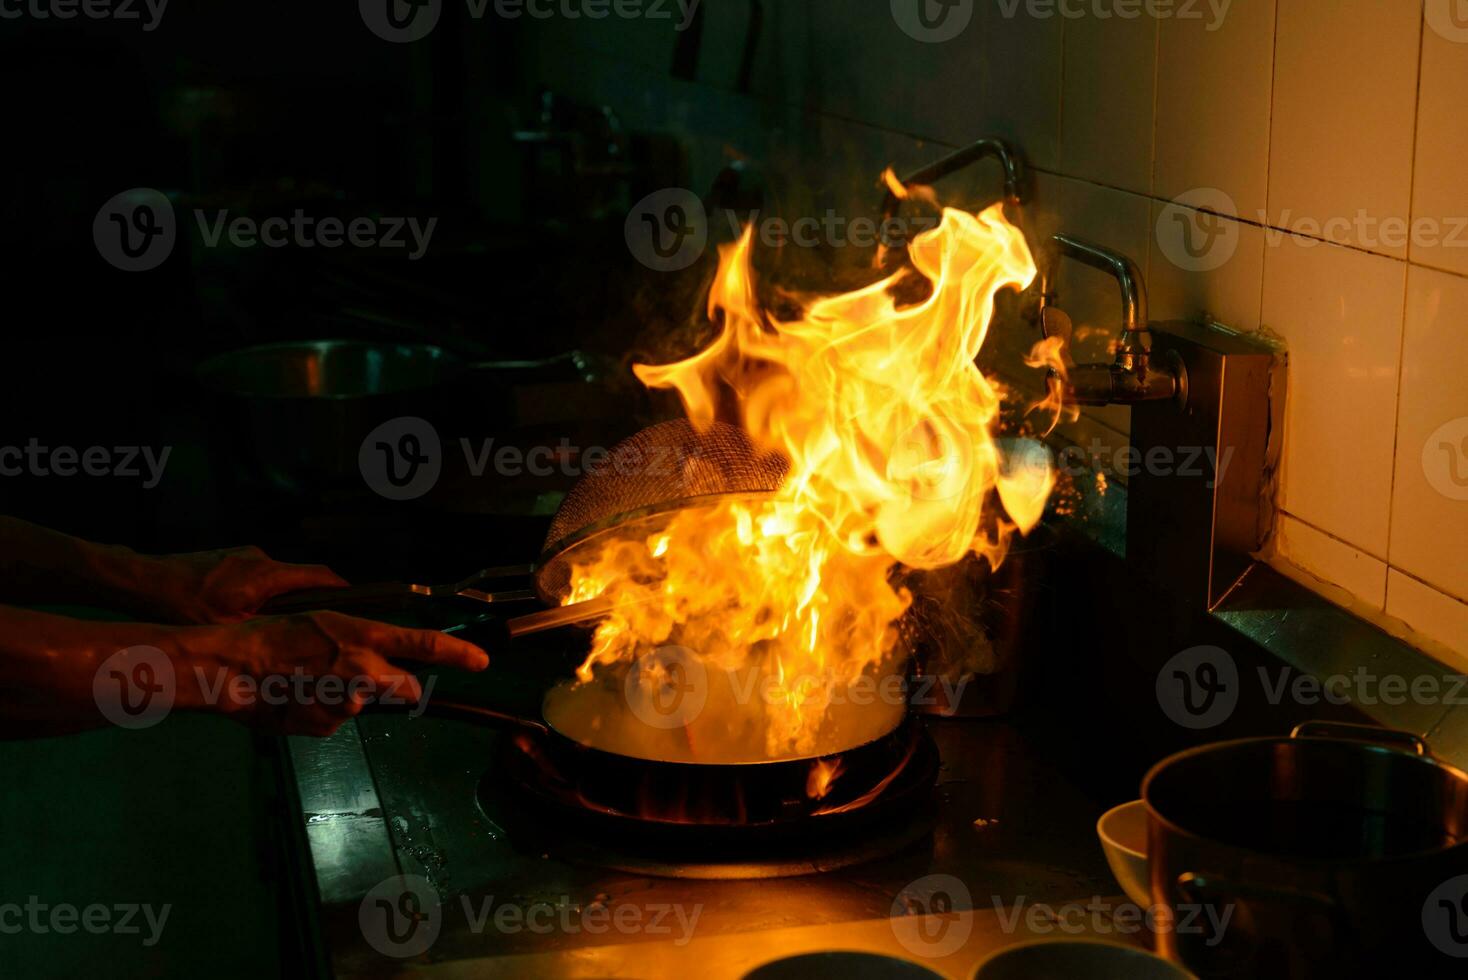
51 663
39 565
303 674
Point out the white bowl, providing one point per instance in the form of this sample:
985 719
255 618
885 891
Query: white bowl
1123 833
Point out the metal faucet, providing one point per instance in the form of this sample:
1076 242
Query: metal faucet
1134 376
1016 172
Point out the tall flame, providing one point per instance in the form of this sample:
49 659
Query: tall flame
888 425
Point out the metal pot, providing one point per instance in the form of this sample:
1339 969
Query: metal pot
1316 855
298 412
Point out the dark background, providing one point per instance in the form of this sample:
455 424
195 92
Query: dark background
262 109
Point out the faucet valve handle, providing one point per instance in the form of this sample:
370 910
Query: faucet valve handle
1130 377
1055 322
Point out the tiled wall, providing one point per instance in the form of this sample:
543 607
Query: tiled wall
1341 120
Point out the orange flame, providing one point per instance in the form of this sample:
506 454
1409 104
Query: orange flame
888 425
822 777
1050 354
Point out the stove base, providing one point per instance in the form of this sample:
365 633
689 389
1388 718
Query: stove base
516 794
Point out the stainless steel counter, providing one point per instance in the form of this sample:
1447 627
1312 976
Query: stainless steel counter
389 796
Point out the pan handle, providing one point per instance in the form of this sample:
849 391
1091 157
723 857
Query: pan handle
389 593
1389 737
458 711
352 595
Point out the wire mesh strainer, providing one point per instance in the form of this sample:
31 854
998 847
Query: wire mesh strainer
645 480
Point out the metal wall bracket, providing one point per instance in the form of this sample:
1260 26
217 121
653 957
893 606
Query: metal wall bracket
1203 502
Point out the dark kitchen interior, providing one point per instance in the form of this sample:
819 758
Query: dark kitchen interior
1049 418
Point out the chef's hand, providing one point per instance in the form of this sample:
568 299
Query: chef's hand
301 674
309 673
224 586
39 565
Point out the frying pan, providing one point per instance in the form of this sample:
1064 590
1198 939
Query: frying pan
750 793
660 472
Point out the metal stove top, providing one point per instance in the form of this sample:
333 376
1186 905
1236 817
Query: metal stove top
389 797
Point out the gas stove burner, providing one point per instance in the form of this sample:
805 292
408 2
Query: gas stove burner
705 829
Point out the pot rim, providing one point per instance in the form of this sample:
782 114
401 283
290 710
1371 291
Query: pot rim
208 372
1153 814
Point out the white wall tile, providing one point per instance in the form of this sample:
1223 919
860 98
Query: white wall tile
1333 560
1186 279
1345 101
1440 193
1340 311
1107 98
1429 612
1213 97
1429 535
1000 76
